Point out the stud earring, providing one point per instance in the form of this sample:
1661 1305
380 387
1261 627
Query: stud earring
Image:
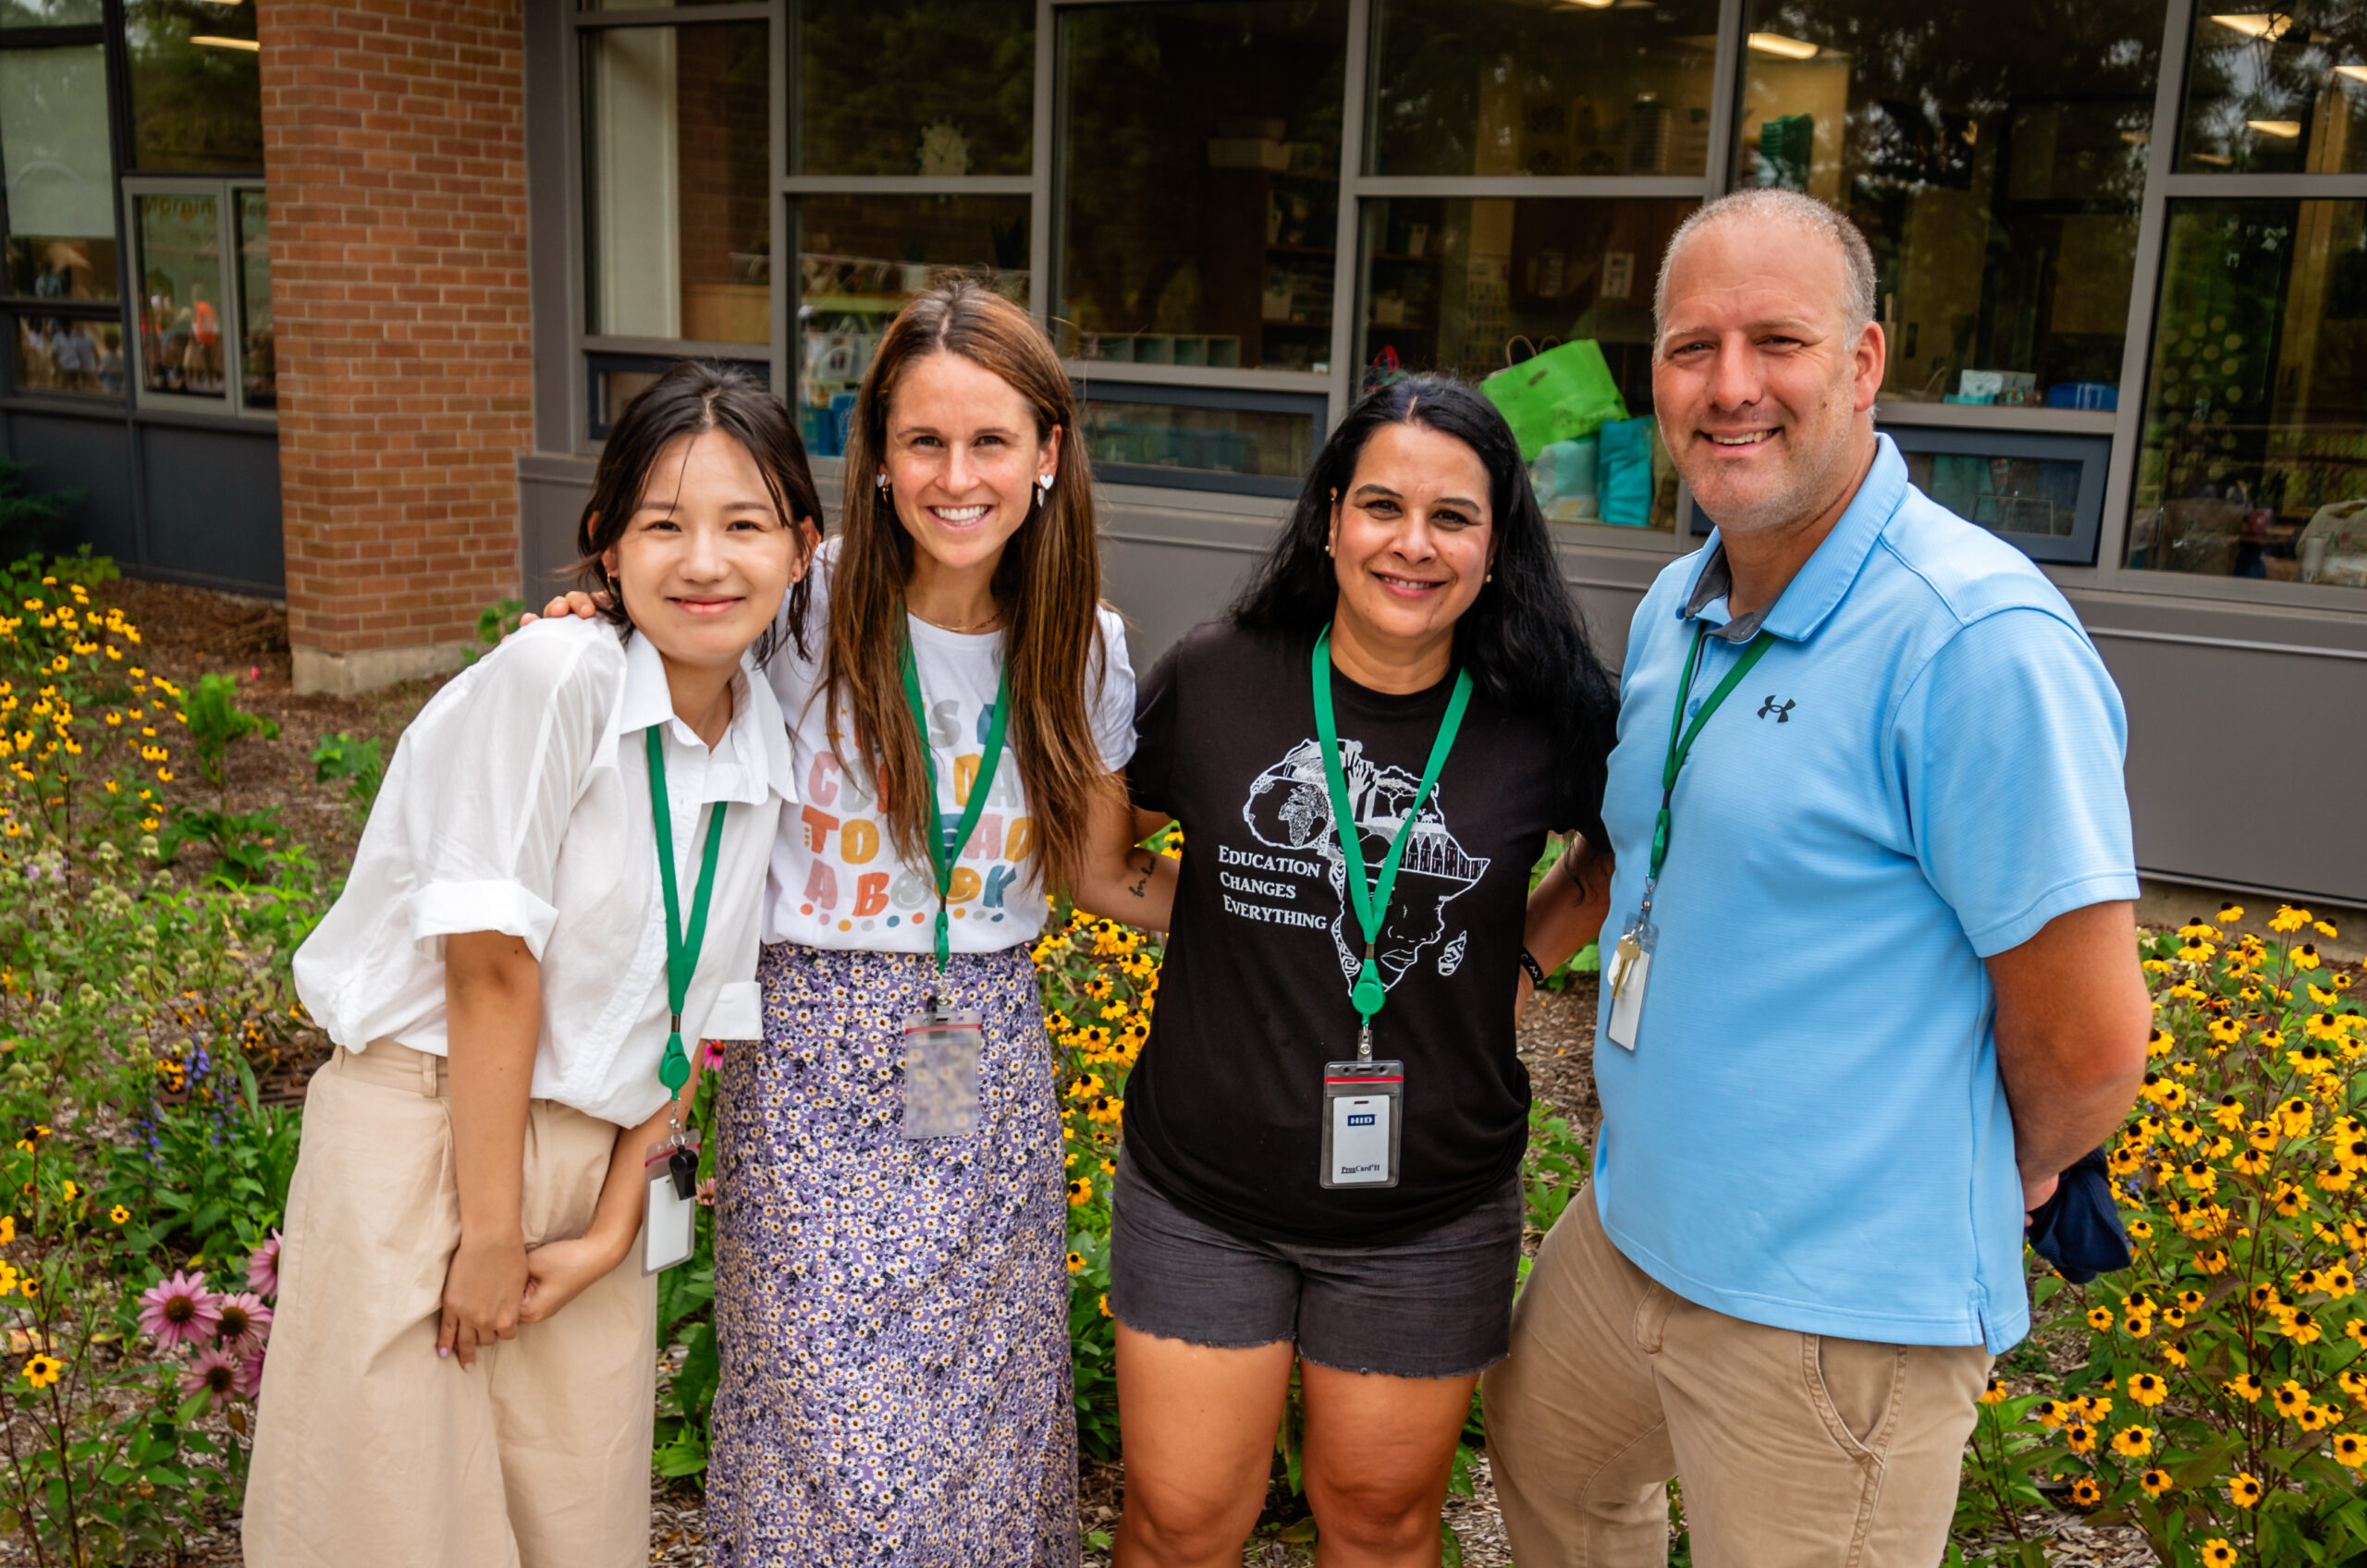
1490 578
883 485
1043 488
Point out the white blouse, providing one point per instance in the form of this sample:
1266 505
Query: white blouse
837 880
519 801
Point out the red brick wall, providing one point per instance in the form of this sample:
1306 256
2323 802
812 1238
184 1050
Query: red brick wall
394 138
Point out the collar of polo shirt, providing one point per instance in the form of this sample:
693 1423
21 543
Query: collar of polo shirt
1821 581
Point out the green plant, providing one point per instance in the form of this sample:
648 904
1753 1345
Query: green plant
245 845
495 622
28 522
214 721
358 761
686 1328
2223 1406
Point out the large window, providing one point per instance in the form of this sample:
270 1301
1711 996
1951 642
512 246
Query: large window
677 211
202 341
2254 455
2278 91
1497 87
1201 182
196 86
924 87
1995 157
67 338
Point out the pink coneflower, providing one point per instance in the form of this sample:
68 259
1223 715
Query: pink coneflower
245 1322
180 1311
252 1371
262 1267
216 1374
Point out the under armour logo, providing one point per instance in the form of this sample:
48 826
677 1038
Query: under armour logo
1782 711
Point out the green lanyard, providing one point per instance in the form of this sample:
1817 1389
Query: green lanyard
942 854
1681 737
1371 902
681 948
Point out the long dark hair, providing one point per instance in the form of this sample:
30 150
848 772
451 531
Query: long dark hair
1522 639
691 397
1047 586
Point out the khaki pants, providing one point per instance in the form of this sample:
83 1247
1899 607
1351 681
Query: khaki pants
373 1452
1795 1451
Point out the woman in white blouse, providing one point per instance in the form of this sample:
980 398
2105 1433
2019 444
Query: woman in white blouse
461 1370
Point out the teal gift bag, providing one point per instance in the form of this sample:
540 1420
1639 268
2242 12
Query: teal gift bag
1623 473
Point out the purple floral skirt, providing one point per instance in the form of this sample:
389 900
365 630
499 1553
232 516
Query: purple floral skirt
892 1316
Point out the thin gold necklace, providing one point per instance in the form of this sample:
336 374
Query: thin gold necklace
962 630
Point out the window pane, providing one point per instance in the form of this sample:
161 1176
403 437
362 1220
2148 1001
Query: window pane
1469 285
196 86
934 87
259 359
676 222
1201 178
859 259
1995 157
1497 87
180 314
67 355
2283 89
1124 433
50 13
60 180
2027 497
2254 456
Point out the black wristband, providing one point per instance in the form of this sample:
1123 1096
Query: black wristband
1527 962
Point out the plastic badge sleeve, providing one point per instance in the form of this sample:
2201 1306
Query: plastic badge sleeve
1363 1122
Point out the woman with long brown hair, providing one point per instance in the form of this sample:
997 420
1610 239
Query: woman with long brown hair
892 1299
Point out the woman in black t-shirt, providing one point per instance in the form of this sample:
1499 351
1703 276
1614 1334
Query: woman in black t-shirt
1382 1257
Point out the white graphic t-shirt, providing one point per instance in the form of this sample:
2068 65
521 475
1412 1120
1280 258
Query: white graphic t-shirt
837 880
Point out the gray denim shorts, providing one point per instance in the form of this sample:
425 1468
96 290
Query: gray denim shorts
1438 1305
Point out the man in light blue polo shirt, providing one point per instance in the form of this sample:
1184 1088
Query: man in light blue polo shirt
1872 976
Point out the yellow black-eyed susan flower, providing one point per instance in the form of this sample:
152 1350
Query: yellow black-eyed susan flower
2291 1398
2133 1442
2174 1356
42 1369
2302 1328
2085 1493
2305 956
2228 1112
2198 1176
2100 1319
2286 917
2147 1389
2218 1553
2243 1491
2349 1450
1077 1263
1105 1307
2245 1387
2262 1135
2155 1482
1995 1393
2080 1438
2048 1413
1080 1192
2253 1162
118 1214
2318 1417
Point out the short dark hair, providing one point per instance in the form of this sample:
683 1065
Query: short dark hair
691 397
1522 639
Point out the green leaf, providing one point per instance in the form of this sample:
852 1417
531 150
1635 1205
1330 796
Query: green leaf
1301 1534
1449 1546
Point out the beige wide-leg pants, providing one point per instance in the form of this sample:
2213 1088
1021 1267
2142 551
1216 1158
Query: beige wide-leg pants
1795 1451
373 1452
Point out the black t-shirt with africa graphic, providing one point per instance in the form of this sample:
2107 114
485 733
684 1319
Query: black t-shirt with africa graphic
1223 1113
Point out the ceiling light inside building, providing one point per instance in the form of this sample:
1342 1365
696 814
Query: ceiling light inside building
1586 4
1785 48
2266 26
2286 128
203 41
2356 73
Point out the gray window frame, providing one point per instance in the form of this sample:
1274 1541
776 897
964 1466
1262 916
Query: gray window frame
225 191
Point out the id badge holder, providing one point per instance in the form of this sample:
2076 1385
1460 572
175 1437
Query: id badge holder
669 1216
1363 1122
1630 971
942 1052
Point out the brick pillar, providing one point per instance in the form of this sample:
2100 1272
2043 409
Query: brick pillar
394 139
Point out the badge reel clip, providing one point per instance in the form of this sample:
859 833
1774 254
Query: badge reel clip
1362 1099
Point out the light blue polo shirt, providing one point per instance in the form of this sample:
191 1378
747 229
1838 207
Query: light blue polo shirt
1921 771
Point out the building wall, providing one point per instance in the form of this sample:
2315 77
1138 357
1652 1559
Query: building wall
395 134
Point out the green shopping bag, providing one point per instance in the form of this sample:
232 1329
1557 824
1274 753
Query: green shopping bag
1560 395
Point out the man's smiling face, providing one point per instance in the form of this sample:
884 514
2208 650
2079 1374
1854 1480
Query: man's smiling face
1758 381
